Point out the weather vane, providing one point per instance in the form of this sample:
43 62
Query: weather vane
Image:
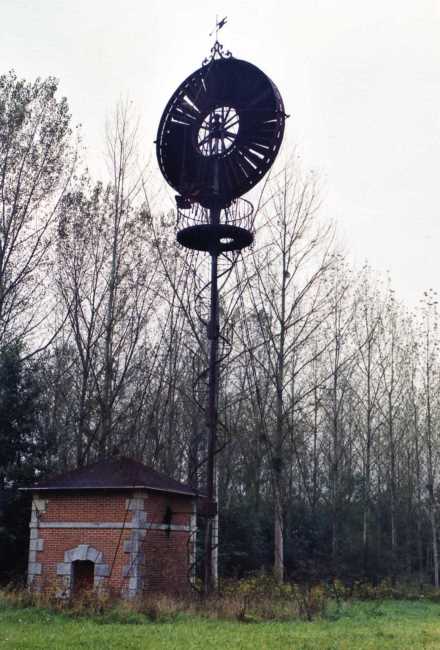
217 48
218 25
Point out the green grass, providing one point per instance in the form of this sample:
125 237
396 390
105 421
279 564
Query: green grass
385 625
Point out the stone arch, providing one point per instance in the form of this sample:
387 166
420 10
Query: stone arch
82 552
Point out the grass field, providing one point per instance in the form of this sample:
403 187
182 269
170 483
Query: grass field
385 625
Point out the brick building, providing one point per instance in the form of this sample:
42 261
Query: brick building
115 525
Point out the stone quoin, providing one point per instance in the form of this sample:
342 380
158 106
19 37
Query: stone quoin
116 526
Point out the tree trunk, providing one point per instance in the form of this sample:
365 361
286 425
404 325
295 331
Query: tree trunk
278 536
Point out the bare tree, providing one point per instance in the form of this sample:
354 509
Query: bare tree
36 161
288 297
430 388
368 389
395 374
107 279
340 359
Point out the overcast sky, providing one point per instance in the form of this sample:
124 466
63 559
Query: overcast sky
361 81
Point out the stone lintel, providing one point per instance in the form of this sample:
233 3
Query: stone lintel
83 552
110 525
173 527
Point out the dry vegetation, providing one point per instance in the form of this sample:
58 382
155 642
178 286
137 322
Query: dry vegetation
255 599
273 620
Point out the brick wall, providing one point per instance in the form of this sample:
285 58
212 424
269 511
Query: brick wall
82 506
157 504
166 561
57 541
145 554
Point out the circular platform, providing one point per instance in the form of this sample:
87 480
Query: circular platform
220 238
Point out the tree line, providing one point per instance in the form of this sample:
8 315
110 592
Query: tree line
329 386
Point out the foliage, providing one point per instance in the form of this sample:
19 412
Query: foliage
26 451
246 541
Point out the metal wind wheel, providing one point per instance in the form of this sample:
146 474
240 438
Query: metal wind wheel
218 136
220 132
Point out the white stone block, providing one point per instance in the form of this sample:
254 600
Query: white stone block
34 568
64 569
126 570
139 519
36 544
135 504
40 505
133 584
93 555
102 570
81 552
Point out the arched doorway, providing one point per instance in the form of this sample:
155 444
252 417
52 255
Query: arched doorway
83 574
83 565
